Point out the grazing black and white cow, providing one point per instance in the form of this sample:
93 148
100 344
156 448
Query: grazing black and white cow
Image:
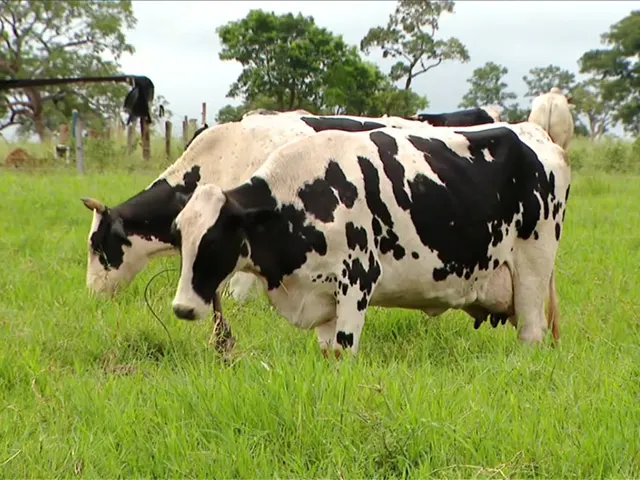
427 219
122 239
461 118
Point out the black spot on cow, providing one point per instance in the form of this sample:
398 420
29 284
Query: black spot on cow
462 218
345 340
496 263
566 195
393 169
278 236
556 208
389 241
558 229
320 124
356 237
364 276
148 214
319 200
415 255
535 235
318 196
335 177
460 118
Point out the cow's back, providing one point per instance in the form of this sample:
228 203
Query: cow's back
423 201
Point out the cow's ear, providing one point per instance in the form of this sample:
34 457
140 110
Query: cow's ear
117 228
181 199
248 218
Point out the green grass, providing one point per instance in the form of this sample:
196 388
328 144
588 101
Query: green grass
94 388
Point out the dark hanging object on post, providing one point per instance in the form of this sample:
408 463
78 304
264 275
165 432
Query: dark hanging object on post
136 103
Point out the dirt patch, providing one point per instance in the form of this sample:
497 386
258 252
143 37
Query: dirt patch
17 158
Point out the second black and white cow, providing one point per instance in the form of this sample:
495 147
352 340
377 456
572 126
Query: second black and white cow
124 237
426 219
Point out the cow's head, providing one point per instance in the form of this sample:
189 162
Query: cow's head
114 255
211 231
120 245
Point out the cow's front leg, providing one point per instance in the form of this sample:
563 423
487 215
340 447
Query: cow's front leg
353 293
326 334
350 312
221 335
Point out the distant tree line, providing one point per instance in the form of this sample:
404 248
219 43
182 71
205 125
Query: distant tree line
289 62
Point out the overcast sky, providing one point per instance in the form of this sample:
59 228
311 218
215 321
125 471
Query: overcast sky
177 46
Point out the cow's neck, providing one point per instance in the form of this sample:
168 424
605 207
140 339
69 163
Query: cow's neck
278 237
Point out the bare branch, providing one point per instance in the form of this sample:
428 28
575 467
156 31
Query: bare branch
29 27
12 118
75 43
426 69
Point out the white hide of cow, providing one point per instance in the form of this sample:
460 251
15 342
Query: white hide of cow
406 282
552 112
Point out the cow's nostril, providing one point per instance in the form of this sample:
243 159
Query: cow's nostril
184 313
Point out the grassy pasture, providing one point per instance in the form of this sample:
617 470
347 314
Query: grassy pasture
95 388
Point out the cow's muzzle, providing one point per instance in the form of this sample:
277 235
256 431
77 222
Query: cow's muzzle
184 313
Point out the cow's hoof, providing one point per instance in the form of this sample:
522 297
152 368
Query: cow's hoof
328 352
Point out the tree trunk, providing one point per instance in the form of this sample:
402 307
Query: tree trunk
292 97
407 84
35 101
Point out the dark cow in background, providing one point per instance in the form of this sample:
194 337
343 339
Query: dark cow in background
461 118
427 219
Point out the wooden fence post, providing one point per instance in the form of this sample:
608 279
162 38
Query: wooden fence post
167 139
193 125
204 113
185 131
131 133
144 133
79 146
63 142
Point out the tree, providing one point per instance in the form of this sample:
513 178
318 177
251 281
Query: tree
514 113
590 104
229 113
487 87
55 39
357 87
284 57
618 69
409 38
543 79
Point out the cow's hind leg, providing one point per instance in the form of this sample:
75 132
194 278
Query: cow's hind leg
531 286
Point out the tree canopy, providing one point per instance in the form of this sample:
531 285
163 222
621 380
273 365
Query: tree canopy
61 39
409 38
487 87
291 63
618 68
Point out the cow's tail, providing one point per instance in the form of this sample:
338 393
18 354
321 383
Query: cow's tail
547 126
552 309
